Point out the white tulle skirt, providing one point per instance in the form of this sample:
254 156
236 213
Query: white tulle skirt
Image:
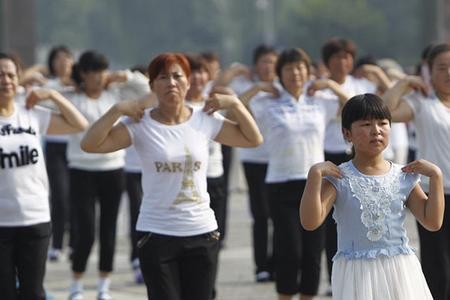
398 277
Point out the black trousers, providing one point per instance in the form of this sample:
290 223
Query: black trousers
86 188
23 253
227 153
58 177
297 251
255 174
134 191
330 223
178 268
435 256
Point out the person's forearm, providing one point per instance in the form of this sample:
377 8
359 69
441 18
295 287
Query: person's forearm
337 90
311 208
435 205
393 95
69 112
98 132
246 124
249 94
384 83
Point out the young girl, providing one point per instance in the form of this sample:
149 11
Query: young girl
369 194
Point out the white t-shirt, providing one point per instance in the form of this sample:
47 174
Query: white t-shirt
23 177
334 140
257 105
92 110
174 164
294 132
432 124
215 161
132 161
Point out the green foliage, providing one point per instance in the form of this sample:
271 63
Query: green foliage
133 31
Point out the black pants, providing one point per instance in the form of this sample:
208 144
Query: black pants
134 191
86 187
297 251
255 175
330 223
227 157
178 268
435 256
217 201
23 253
58 177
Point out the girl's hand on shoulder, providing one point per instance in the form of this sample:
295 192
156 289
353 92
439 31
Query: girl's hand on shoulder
37 95
220 101
326 168
134 109
422 167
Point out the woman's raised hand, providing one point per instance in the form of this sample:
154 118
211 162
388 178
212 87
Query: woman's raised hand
134 109
37 95
220 101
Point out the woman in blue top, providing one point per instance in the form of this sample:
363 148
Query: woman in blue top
369 194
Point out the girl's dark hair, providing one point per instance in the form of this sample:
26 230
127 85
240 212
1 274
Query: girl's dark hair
52 56
89 61
290 56
364 107
435 51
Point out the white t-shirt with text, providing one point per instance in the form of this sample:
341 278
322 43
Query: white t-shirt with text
24 196
174 164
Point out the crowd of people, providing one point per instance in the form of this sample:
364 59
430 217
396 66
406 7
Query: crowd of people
326 150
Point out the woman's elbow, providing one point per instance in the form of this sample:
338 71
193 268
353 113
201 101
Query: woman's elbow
434 226
83 126
258 141
86 146
308 225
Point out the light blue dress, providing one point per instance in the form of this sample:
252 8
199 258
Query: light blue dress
374 259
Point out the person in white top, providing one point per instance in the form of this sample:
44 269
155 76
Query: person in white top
24 193
338 55
431 118
214 174
96 177
250 84
180 239
59 63
294 128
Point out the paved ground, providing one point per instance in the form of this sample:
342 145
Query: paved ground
235 279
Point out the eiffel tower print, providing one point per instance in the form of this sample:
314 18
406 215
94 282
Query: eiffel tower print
188 191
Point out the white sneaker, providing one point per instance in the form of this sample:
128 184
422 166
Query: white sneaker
104 296
76 296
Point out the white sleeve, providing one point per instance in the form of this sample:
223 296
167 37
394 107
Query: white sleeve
414 101
43 116
212 124
130 125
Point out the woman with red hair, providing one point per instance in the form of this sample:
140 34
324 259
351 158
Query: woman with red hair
179 244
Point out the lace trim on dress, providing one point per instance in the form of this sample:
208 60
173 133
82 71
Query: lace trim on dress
375 195
374 253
